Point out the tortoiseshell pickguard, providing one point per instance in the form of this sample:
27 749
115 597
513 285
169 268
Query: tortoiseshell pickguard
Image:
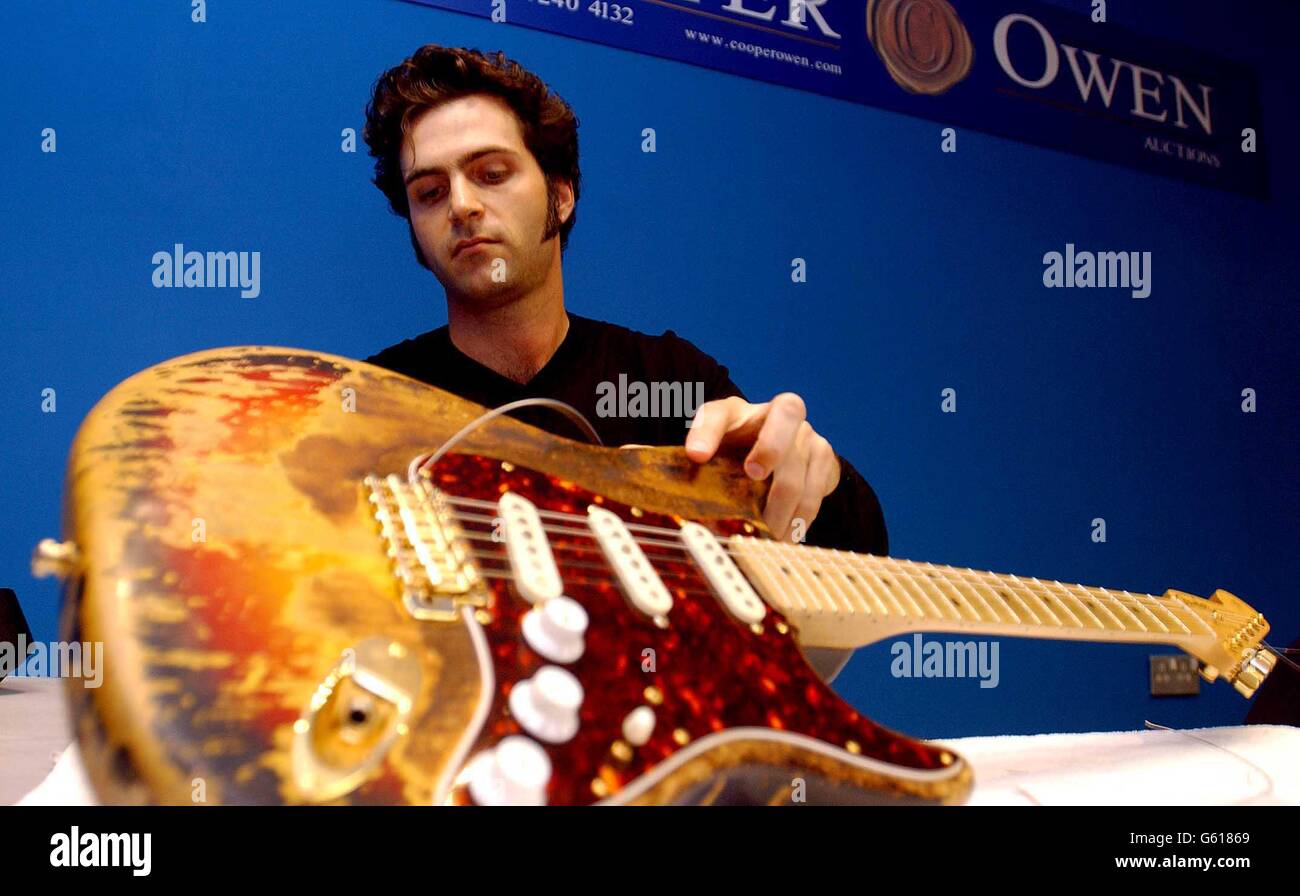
711 671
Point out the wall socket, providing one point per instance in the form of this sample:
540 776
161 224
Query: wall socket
1174 675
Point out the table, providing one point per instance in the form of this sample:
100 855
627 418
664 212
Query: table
1245 764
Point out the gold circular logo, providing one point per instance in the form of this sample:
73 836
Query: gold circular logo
924 46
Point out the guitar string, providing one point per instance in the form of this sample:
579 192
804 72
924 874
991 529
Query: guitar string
1123 598
603 566
423 464
509 574
585 534
1281 652
1115 600
831 559
971 576
502 555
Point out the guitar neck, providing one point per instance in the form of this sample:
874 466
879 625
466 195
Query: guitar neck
839 599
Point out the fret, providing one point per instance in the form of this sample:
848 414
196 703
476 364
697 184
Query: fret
790 595
806 588
1011 592
778 591
1162 607
971 581
772 589
850 608
957 602
1056 620
1078 621
1142 606
1004 593
963 601
867 565
893 573
1106 595
1078 603
977 581
974 580
1089 606
946 602
811 578
910 579
854 576
933 587
1105 604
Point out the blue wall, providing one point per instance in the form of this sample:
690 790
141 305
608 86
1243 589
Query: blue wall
924 273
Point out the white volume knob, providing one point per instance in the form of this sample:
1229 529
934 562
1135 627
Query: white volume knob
546 705
514 773
555 629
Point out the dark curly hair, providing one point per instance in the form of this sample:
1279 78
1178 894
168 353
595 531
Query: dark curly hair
435 75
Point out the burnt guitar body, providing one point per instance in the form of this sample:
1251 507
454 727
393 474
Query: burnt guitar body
258 649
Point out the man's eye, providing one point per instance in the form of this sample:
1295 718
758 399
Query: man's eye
496 176
429 195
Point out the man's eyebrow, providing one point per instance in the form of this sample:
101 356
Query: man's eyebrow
417 173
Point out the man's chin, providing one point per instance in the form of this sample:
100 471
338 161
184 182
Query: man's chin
482 296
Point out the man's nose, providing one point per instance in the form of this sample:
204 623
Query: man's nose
463 200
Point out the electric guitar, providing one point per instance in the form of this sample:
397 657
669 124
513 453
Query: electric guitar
317 581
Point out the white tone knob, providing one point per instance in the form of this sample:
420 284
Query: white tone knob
638 725
546 705
555 629
514 773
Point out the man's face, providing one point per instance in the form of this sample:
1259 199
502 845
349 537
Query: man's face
468 175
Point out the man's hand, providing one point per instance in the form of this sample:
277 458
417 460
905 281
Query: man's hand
803 467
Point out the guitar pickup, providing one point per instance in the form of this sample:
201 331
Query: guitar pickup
732 588
536 577
640 582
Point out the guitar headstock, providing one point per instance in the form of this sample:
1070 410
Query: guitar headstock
1233 648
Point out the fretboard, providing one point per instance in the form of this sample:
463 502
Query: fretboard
840 599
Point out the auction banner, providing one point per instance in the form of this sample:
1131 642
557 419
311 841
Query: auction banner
1027 71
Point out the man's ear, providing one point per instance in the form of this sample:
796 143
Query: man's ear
563 198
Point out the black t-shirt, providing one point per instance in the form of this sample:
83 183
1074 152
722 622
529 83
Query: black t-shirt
615 377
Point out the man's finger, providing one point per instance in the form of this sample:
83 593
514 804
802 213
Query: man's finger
821 467
712 421
787 490
785 419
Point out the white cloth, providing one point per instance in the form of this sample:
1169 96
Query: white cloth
1249 764
65 785
1240 765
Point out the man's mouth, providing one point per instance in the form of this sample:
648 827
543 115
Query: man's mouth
469 244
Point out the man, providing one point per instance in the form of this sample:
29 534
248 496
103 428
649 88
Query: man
482 160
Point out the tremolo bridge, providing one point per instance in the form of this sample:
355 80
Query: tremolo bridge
430 555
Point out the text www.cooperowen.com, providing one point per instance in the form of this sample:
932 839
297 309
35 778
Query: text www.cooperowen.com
760 51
